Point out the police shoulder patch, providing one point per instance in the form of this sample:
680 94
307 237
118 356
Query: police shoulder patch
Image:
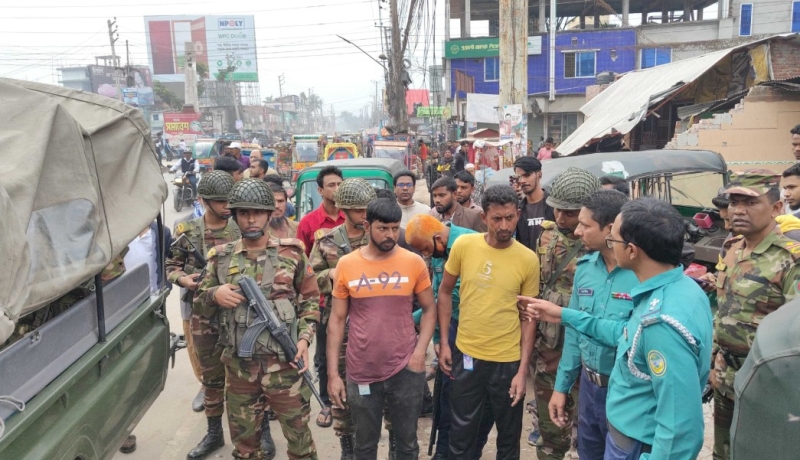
657 363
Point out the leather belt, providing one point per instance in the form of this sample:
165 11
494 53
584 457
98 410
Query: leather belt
595 377
626 443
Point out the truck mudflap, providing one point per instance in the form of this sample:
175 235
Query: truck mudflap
83 397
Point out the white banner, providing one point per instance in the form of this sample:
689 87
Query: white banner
482 108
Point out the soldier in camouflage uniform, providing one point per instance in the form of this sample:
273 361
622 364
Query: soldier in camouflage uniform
280 267
183 269
352 198
759 274
559 251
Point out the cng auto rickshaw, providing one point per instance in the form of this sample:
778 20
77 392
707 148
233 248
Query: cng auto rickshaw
401 151
306 150
378 172
340 151
687 179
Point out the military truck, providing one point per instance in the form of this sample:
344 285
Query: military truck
81 180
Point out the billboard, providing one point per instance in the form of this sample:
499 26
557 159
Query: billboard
106 79
215 40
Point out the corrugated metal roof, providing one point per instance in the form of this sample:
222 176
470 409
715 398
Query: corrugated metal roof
625 102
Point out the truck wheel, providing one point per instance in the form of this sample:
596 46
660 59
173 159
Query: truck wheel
178 199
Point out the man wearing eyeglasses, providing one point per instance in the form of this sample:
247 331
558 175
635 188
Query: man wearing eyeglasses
404 187
654 406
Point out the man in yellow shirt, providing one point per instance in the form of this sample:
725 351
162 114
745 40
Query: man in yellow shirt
493 347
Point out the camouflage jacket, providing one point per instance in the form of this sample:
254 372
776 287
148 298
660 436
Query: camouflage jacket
181 263
750 287
329 247
293 291
554 246
291 226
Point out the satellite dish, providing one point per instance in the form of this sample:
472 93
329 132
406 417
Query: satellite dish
406 63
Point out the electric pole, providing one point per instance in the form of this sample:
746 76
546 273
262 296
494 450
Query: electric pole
281 80
333 119
115 61
514 53
397 93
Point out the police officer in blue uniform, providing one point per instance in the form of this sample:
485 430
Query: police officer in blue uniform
663 352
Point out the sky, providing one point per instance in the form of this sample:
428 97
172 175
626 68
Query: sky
296 39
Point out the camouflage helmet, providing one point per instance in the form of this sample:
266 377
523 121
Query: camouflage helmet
572 188
215 185
251 194
354 194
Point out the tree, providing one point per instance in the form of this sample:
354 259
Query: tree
202 73
167 96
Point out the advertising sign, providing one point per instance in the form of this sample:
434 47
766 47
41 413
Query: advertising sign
216 40
105 79
514 130
434 111
484 47
188 126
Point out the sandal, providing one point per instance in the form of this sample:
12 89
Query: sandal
325 419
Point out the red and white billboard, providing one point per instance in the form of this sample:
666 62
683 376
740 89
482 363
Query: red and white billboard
188 126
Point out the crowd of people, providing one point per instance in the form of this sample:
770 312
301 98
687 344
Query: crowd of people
577 289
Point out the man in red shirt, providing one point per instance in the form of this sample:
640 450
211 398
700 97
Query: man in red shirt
327 215
423 151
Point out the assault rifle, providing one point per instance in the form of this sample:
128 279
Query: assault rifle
200 262
277 328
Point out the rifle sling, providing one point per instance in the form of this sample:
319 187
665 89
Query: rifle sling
561 266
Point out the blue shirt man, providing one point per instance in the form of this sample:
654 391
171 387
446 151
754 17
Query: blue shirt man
663 355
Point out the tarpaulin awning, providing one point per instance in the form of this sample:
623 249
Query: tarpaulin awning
81 179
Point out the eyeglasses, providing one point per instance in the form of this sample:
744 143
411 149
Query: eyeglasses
404 185
610 242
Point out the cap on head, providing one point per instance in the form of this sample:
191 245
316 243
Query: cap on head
572 189
251 194
469 167
215 185
753 182
235 145
354 194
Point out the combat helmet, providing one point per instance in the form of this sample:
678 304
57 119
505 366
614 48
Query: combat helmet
572 189
215 185
251 194
354 194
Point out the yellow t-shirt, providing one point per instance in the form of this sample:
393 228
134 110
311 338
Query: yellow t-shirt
491 279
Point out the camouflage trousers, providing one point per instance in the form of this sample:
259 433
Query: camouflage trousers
193 359
556 441
252 384
342 418
722 376
205 337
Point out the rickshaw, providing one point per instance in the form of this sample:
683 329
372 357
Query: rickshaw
306 150
379 172
687 179
340 151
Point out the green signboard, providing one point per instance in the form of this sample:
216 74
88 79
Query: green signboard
425 112
484 47
472 48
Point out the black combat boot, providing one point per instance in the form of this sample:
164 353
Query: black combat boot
267 445
212 441
392 446
346 441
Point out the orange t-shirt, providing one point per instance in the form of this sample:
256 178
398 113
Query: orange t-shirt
381 293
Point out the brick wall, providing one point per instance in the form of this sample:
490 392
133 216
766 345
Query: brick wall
785 59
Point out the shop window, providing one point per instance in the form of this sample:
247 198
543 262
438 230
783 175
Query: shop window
579 64
795 16
560 126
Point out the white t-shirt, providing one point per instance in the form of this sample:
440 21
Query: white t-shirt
787 210
142 250
411 211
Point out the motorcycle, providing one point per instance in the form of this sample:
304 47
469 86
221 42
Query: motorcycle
182 193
